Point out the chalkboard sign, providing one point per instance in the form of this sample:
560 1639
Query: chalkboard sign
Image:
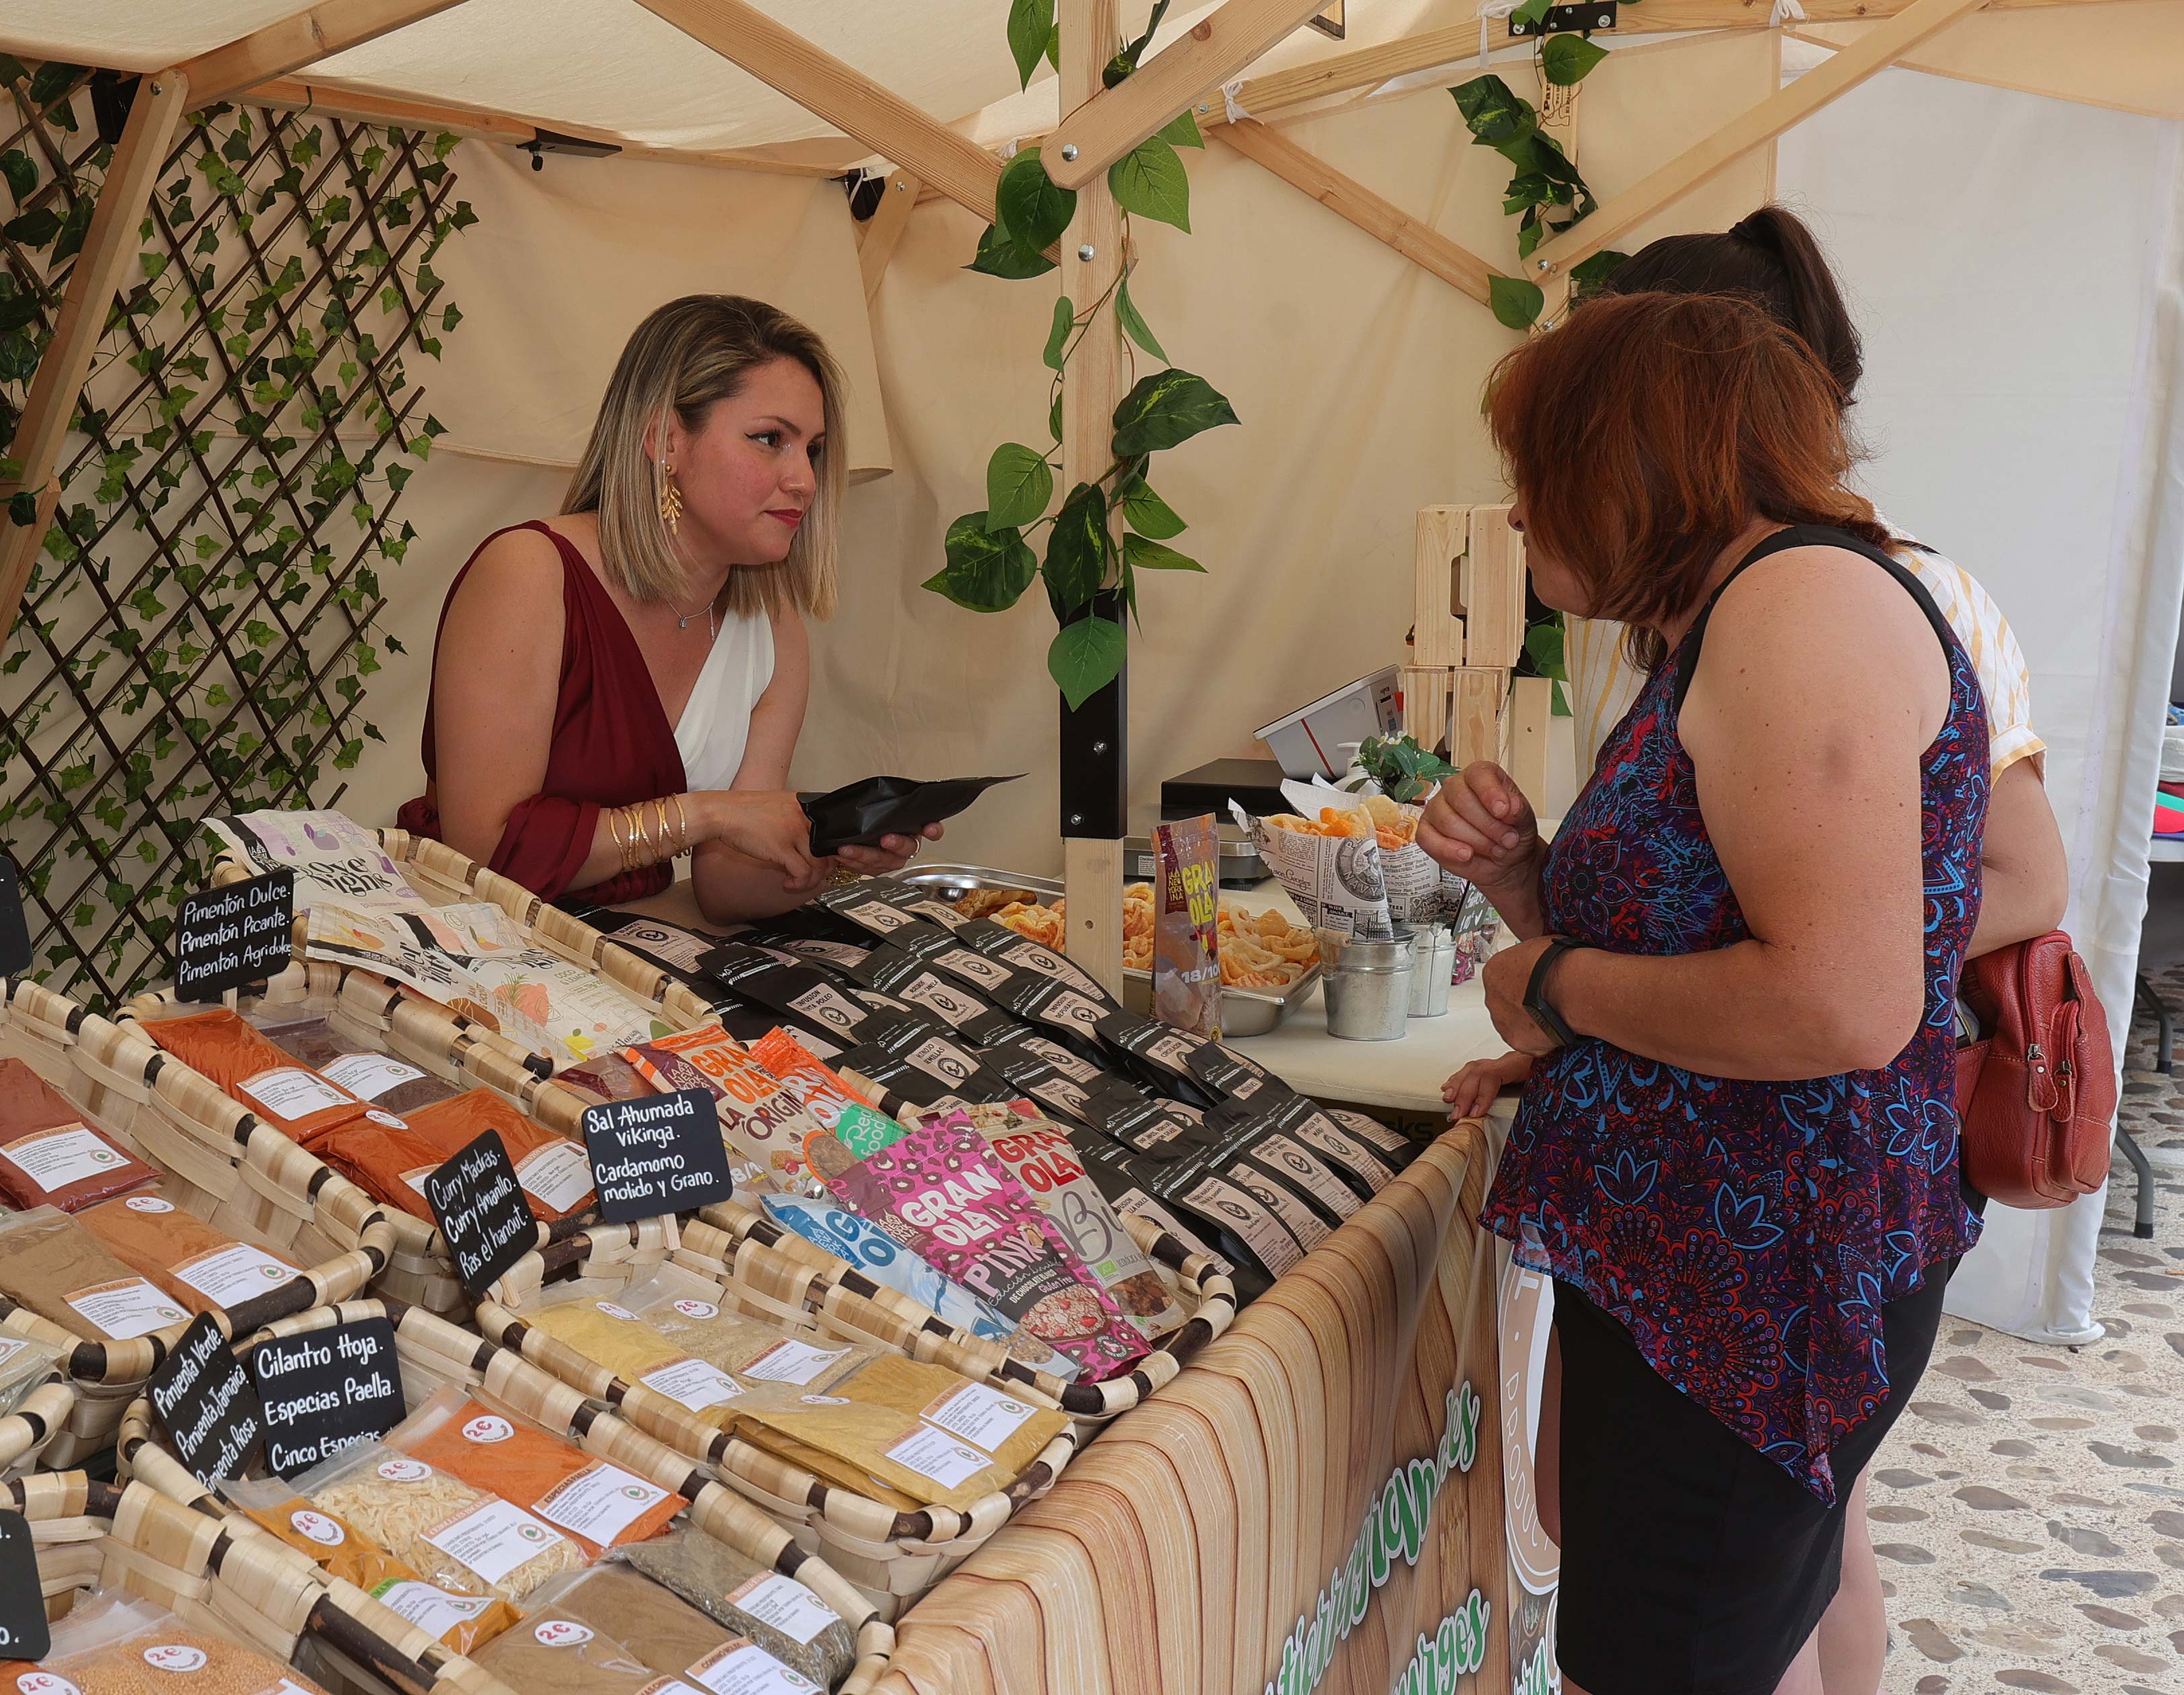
204 1400
324 1390
659 1153
227 937
481 1213
23 1633
14 932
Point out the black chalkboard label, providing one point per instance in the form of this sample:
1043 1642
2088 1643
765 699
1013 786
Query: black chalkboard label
324 1390
227 937
204 1400
481 1213
14 931
659 1153
23 1633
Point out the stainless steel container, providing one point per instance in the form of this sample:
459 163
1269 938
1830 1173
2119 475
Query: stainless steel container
1436 965
1367 982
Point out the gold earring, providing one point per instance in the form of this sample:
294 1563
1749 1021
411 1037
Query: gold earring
670 500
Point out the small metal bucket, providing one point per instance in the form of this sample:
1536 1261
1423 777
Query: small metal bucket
1436 965
1367 982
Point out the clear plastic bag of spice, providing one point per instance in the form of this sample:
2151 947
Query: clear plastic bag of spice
113 1643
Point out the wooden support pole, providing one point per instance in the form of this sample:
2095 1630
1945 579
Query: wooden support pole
155 113
1094 776
291 94
1755 128
1347 197
885 228
1436 631
1491 588
1108 123
1530 721
316 33
847 98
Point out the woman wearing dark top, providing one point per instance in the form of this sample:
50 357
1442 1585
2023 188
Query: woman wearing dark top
1737 1154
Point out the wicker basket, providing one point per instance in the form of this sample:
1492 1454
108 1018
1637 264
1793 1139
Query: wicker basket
26 1433
435 1354
251 1590
728 1232
225 1167
892 1557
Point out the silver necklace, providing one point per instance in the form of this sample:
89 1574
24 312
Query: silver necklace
683 620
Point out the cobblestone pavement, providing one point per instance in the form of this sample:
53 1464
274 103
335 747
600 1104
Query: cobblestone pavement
2029 1508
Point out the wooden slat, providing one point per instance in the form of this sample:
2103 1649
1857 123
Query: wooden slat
1491 589
154 115
1110 123
845 98
1347 197
1733 14
1436 633
885 228
1426 698
1755 128
1531 718
1477 731
317 33
293 95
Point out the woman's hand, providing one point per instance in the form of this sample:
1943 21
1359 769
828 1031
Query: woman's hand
1471 1091
1506 976
768 825
891 855
1480 825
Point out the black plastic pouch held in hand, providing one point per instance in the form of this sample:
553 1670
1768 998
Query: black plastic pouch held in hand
858 814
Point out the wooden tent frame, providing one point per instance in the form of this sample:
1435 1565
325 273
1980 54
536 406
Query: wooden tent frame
1098 126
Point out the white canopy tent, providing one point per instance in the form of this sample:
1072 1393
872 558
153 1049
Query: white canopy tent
2010 224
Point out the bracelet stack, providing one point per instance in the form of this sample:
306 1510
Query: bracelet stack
634 837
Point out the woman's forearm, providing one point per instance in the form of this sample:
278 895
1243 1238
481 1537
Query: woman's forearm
734 889
1746 1010
2025 875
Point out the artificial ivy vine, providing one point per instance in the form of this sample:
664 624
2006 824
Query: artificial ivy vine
989 559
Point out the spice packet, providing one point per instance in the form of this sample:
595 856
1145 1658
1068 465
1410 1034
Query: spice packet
1003 945
201 1267
379 1080
778 1614
1244 1229
611 1336
51 1265
1009 1427
693 1313
555 1171
1186 944
798 992
26 1365
113 1643
1128 1180
50 1155
859 814
223 1048
554 1651
762 1120
943 1191
334 858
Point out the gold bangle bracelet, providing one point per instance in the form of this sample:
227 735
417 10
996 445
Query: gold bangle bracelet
645 833
632 859
682 828
614 830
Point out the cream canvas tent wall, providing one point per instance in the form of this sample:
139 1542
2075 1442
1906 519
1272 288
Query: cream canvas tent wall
2007 213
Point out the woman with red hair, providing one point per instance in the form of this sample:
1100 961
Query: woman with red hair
1736 1154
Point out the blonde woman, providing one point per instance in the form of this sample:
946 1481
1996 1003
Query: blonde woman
624 683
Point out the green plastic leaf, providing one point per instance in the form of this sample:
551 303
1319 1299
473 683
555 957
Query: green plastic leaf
53 79
1077 548
1031 22
1019 483
1568 60
1133 322
33 229
1028 208
1182 130
1141 553
1590 274
987 569
1053 46
1057 334
1532 12
1494 113
11 68
22 175
999 256
1054 414
1150 181
1167 409
1149 514
1543 646
1084 657
1514 302
15 311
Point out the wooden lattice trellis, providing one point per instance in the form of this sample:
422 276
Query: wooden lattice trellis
197 634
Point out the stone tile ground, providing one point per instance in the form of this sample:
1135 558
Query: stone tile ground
2029 1510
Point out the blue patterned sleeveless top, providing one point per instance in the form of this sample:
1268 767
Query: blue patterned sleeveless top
1746 1234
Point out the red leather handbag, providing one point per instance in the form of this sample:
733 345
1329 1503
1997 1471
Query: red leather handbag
2038 1094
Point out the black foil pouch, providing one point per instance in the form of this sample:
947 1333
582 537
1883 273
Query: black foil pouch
858 814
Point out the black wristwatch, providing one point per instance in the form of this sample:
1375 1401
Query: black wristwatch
1536 991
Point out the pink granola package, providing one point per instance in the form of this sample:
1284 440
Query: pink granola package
941 1191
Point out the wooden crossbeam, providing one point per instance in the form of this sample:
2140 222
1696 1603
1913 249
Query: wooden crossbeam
289 94
1753 14
885 228
162 99
1094 135
1385 221
1755 128
845 98
320 32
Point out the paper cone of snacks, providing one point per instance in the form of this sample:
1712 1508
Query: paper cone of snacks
1351 863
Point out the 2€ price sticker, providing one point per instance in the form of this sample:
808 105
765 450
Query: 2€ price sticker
697 1309
173 1657
488 1430
149 1203
562 1633
318 1527
45 1683
404 1470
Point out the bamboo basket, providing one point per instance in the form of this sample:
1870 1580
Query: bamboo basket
446 878
729 1232
414 1267
435 1354
225 1167
25 1432
891 1556
251 1590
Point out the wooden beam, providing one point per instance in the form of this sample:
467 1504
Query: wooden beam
847 98
155 113
1752 14
288 94
1754 128
885 228
1365 67
1113 122
1454 265
317 33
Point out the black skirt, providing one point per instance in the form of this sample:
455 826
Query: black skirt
1692 1563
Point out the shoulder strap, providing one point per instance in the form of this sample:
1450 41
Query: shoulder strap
1686 657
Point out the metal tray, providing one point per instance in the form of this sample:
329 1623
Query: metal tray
1244 1012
